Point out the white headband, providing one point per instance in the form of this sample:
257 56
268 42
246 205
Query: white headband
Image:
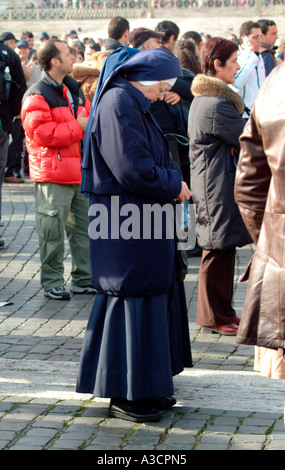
170 81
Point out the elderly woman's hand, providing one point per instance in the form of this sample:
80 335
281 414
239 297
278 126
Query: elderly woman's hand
172 98
185 193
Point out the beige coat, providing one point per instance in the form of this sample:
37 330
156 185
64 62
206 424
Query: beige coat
88 73
260 195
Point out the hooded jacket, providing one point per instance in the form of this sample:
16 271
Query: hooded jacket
53 134
215 125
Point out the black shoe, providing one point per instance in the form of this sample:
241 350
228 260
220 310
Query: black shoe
2 243
161 403
136 411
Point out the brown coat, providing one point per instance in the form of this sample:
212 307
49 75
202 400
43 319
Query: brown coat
88 73
260 195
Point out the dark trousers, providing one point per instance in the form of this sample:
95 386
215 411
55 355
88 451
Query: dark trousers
14 160
4 142
215 292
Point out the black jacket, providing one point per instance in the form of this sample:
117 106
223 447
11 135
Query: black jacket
112 44
215 125
11 108
182 86
268 55
173 119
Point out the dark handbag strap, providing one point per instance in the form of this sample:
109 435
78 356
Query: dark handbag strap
181 139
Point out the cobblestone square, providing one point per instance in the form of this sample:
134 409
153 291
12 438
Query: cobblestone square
222 404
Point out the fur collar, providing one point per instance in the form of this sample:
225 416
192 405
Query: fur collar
204 85
83 70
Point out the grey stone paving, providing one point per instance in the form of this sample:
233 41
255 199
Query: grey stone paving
222 404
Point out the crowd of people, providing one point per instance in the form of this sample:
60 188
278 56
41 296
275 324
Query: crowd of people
147 118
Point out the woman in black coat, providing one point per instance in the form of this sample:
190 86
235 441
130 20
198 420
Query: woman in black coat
215 124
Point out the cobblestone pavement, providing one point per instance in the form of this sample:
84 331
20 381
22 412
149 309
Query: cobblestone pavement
222 404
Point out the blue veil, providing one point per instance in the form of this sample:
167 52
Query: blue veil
114 60
151 64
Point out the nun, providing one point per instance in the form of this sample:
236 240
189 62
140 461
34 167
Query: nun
137 336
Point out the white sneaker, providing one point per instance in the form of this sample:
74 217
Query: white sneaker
83 290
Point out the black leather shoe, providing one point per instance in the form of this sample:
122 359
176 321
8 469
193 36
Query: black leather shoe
136 411
162 403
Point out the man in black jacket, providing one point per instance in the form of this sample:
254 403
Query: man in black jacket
118 31
10 107
268 48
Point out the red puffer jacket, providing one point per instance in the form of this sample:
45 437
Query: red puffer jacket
53 134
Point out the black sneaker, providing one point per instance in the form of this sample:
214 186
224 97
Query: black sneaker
2 244
59 293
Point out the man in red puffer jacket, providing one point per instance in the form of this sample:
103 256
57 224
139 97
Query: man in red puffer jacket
55 115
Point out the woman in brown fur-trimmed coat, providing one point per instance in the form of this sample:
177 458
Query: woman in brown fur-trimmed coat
215 125
88 73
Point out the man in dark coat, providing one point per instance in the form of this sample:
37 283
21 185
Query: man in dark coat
118 31
12 106
270 35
